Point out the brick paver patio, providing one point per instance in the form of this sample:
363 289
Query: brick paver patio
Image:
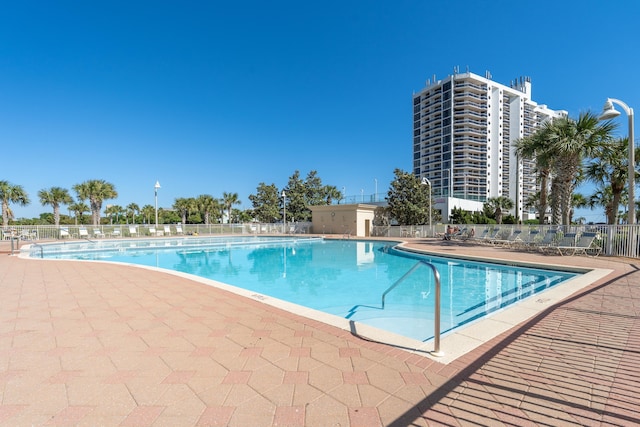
94 344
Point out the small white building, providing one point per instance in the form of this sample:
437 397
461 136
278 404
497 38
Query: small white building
354 219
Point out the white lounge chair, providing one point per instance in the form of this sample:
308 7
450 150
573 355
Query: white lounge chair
64 232
528 241
98 233
588 244
167 230
84 234
116 232
549 239
566 245
571 244
178 229
133 231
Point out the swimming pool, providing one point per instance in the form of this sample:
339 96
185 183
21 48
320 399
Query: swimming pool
345 278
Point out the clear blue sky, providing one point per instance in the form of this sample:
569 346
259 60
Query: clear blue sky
210 97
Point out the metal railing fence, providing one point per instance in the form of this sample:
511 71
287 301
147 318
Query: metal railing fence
51 232
614 240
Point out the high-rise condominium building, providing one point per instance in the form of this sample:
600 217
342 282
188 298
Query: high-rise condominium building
464 127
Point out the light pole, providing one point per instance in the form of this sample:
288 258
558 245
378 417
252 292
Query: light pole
155 187
375 195
425 181
284 207
609 112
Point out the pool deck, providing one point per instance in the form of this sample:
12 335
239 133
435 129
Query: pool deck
93 344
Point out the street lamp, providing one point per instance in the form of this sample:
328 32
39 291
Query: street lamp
156 193
425 181
375 195
609 112
284 207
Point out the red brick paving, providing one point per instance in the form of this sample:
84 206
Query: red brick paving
100 344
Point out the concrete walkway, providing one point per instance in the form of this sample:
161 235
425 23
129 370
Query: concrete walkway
93 344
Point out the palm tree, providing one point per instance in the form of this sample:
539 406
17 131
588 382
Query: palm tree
331 193
114 210
498 205
538 146
577 201
55 196
185 206
228 200
207 205
610 167
572 140
96 191
79 209
147 212
133 209
10 193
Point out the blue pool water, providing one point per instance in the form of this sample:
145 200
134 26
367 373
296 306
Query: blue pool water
343 277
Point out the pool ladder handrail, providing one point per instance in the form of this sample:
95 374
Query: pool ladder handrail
436 321
41 249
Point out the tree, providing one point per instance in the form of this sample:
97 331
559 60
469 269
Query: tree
296 193
408 200
572 141
460 216
10 193
498 205
265 203
538 147
208 207
332 193
55 196
147 212
228 200
115 210
609 166
185 206
78 210
577 201
96 191
132 209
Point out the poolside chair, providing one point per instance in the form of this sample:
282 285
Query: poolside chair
500 235
116 232
179 229
491 235
97 233
64 232
28 235
482 236
133 231
167 230
587 244
462 234
565 245
509 239
527 241
548 240
152 231
84 234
